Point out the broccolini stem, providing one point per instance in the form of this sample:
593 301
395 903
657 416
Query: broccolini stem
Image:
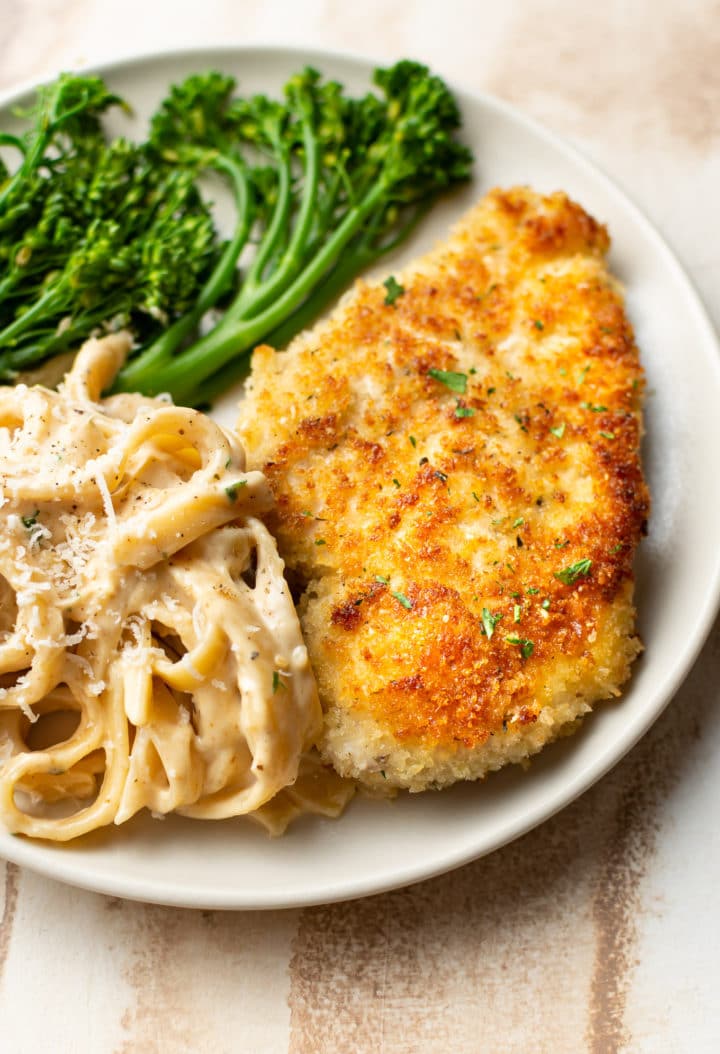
8 284
42 347
273 235
29 162
47 304
221 278
255 296
6 139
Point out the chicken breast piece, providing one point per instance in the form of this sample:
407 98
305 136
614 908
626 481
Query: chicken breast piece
455 458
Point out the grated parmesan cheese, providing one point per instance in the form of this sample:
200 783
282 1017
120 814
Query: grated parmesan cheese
105 495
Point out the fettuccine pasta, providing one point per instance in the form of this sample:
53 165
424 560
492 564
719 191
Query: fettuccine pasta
150 654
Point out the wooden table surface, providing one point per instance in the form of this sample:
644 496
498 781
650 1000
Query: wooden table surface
597 932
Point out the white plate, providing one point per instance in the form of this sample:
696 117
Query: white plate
377 846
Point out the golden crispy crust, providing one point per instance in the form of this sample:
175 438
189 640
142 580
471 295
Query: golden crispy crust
411 506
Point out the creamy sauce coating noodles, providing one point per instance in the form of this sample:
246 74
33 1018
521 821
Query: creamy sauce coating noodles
150 653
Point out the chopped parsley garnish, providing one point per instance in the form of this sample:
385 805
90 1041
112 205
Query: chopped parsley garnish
561 545
570 574
381 578
559 430
442 476
277 683
518 522
526 646
608 435
583 374
320 541
475 497
464 411
29 521
616 548
520 421
393 289
532 590
413 440
599 409
456 382
396 482
545 604
538 324
489 622
402 599
490 391
228 463
517 612
232 490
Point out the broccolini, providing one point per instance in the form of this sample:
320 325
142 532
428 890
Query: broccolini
97 234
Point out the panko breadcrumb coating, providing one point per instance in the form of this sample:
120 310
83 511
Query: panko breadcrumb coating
455 458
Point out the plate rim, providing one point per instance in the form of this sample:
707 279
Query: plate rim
37 856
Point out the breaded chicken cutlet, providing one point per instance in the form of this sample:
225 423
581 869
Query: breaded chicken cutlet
455 458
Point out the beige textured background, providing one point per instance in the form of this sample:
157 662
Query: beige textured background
595 933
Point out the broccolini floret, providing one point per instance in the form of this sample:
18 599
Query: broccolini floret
93 235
